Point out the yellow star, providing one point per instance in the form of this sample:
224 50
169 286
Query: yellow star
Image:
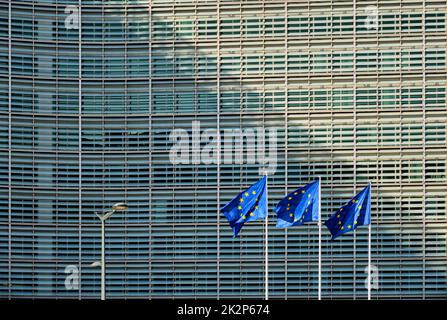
239 208
241 200
291 215
338 216
308 195
301 220
246 194
307 209
360 206
288 208
290 198
303 192
341 209
256 207
342 227
253 192
295 193
308 202
349 227
355 222
339 222
295 220
251 214
243 217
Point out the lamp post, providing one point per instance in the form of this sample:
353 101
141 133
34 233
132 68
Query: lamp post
103 217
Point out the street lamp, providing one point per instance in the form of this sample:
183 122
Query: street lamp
120 206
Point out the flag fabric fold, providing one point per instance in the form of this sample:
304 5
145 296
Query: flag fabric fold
355 213
249 205
299 206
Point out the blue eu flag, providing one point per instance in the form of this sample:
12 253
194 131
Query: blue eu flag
249 205
299 206
357 212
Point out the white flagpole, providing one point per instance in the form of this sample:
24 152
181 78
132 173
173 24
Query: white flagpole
319 238
369 245
266 239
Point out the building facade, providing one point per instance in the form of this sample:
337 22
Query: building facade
90 92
